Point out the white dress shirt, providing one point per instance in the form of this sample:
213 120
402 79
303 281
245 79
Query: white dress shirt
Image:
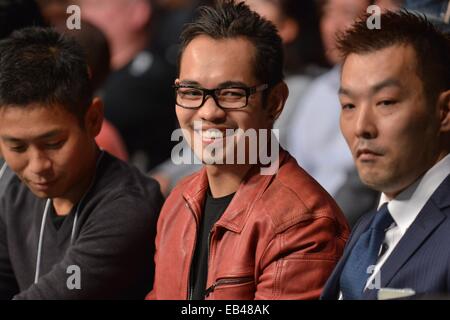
405 208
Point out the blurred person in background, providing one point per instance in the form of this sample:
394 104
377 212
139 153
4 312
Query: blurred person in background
96 47
298 27
168 20
54 11
437 11
138 94
391 5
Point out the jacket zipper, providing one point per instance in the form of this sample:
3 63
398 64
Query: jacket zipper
209 256
190 289
227 281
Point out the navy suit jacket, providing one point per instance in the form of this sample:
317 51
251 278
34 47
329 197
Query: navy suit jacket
420 261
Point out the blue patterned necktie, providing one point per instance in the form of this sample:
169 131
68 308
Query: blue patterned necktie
364 254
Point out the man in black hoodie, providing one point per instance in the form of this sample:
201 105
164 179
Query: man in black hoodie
75 223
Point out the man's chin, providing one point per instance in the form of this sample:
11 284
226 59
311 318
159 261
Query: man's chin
380 183
42 193
209 159
219 157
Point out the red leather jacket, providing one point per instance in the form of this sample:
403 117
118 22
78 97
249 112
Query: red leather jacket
279 238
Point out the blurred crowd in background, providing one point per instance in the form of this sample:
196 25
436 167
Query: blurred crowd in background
132 51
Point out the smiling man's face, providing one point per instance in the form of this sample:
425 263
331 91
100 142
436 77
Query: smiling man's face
209 63
390 127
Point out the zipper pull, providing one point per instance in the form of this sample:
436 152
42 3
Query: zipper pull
210 289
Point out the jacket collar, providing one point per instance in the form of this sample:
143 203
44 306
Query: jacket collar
250 189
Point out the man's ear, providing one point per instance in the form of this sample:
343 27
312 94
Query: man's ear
276 100
444 110
93 120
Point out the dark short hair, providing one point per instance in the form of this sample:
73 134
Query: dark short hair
18 14
432 47
40 66
228 20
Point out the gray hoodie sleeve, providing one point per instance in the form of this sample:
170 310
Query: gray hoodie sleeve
8 284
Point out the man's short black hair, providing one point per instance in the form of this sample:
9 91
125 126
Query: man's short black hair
41 66
432 47
228 20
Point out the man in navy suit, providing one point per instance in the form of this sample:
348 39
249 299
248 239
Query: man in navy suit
395 97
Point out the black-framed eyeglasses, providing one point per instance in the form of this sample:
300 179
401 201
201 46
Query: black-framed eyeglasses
191 97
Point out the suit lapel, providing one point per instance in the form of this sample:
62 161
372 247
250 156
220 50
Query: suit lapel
429 218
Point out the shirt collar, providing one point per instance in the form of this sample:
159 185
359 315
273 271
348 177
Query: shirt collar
406 206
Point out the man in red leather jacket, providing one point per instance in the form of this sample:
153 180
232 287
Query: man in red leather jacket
239 229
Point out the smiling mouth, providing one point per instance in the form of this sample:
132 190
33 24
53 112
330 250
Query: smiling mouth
215 134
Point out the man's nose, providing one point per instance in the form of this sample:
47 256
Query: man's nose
210 111
365 125
39 162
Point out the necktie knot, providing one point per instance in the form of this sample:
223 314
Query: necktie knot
382 219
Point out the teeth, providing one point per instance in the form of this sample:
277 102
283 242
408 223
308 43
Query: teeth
212 134
215 133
